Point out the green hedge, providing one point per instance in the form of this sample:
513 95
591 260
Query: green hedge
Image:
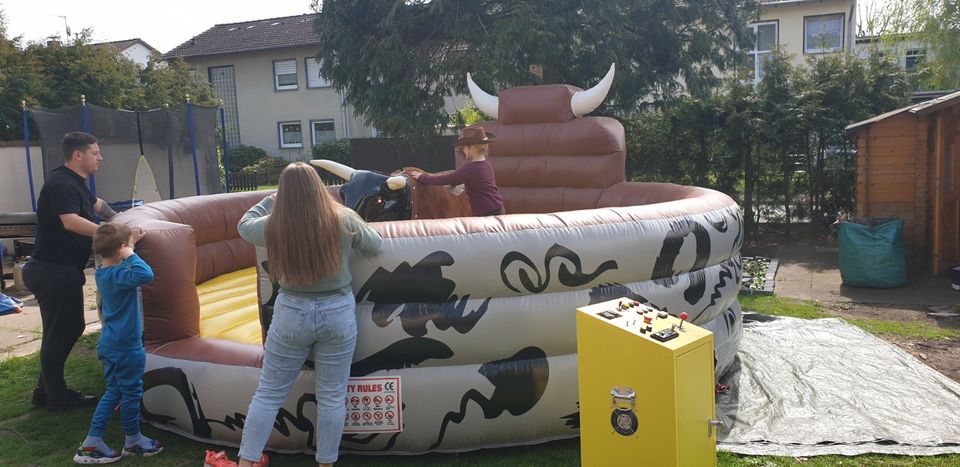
243 156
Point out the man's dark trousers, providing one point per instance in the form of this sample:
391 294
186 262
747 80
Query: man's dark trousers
59 292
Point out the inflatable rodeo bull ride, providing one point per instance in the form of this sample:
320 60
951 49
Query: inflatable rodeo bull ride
475 314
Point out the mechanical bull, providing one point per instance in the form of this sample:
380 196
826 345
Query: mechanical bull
475 315
382 198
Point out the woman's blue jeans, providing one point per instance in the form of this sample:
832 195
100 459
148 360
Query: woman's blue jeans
325 327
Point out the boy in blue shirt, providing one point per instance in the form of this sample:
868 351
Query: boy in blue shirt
120 348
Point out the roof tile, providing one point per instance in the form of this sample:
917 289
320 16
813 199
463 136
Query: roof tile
247 36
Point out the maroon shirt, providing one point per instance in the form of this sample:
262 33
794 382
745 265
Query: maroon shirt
479 183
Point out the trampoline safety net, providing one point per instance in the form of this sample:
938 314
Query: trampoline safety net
163 135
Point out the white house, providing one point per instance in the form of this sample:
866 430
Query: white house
135 49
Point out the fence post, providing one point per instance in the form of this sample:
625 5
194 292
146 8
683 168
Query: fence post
226 156
85 117
193 144
26 143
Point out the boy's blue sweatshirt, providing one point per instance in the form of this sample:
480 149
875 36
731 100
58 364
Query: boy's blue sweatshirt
122 315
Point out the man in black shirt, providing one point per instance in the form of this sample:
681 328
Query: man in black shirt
66 213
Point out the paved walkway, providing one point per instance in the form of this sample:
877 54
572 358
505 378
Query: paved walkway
20 333
811 271
808 270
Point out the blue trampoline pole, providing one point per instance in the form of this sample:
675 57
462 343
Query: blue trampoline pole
193 144
226 158
26 143
86 129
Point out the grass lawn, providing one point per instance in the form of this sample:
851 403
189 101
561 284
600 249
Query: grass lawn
781 306
36 437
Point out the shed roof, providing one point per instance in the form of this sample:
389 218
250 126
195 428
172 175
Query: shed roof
922 108
248 36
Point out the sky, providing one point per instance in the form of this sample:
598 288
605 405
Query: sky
162 24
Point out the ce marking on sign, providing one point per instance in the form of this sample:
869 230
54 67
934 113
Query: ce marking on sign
390 386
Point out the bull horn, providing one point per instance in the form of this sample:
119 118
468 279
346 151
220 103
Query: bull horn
584 102
396 182
343 171
487 104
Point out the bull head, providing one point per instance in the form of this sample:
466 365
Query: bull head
373 195
582 102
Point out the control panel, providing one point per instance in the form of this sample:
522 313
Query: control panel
646 387
644 320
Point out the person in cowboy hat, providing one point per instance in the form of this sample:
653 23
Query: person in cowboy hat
476 175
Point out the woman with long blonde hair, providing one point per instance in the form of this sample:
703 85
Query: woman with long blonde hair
308 237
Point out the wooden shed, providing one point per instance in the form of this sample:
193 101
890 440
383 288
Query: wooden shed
908 166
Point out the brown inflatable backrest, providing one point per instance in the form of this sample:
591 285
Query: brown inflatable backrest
545 158
189 241
560 166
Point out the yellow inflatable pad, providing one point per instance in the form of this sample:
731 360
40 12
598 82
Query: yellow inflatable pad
228 307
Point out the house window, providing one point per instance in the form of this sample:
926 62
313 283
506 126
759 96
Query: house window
291 135
767 38
285 75
322 131
314 80
914 59
822 34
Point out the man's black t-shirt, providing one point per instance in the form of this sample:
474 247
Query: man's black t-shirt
64 192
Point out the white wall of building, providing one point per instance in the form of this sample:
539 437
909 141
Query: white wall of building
260 107
138 53
790 17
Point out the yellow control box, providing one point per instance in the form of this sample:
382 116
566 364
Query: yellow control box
646 388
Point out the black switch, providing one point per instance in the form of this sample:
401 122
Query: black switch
664 335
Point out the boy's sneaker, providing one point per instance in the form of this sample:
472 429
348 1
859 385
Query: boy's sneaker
96 456
217 459
137 450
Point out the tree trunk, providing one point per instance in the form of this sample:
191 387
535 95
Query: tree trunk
748 177
785 168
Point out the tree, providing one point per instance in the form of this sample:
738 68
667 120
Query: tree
936 25
397 60
19 81
53 75
76 69
169 83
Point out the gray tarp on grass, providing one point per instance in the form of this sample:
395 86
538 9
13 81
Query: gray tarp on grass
815 387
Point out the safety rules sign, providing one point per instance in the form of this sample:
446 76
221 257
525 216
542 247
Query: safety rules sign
373 405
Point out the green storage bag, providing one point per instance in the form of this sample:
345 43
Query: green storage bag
871 254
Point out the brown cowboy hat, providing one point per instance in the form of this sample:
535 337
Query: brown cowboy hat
475 135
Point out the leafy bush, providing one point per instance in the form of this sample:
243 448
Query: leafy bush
267 165
337 151
243 156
